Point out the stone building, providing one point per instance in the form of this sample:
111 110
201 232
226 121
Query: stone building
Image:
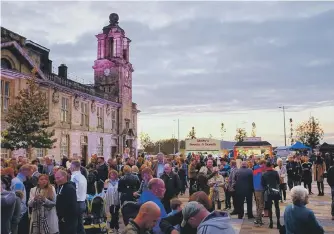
89 119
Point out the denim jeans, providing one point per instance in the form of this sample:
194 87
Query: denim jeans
81 210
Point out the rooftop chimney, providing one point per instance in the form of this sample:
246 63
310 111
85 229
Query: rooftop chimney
62 71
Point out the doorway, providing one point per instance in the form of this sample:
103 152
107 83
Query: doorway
84 149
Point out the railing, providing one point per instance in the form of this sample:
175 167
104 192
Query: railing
80 87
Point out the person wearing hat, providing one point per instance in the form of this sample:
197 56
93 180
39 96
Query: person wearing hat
196 215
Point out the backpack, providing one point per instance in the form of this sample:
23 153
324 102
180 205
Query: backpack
129 210
91 178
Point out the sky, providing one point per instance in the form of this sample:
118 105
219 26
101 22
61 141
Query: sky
203 63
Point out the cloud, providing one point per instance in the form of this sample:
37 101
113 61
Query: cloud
194 57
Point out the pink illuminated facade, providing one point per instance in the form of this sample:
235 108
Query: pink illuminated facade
89 119
113 74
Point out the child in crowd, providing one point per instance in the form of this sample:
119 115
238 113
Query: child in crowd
175 204
228 195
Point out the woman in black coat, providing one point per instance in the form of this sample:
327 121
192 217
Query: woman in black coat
270 182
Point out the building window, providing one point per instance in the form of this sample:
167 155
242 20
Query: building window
84 114
65 146
5 153
64 112
113 119
111 47
133 121
100 147
127 124
99 117
5 64
125 55
40 152
5 92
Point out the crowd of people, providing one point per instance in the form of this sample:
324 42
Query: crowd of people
47 197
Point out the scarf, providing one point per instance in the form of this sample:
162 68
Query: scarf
39 224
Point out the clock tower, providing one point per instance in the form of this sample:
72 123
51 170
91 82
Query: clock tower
113 75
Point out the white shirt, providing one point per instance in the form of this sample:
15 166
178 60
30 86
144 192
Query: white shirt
80 184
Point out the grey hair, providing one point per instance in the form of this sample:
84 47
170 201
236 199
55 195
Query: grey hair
160 154
299 195
279 160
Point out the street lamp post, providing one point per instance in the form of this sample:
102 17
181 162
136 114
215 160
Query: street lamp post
283 108
173 138
178 135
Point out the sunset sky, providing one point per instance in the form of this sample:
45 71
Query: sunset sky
202 62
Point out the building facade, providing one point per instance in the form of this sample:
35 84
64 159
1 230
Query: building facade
89 119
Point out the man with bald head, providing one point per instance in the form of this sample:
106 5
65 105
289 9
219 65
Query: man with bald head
147 218
244 189
66 204
155 192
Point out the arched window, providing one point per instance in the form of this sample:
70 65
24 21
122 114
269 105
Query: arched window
5 64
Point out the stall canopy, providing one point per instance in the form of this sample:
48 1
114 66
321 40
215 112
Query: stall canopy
299 146
250 143
326 147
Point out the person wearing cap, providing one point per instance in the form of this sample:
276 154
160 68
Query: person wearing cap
196 215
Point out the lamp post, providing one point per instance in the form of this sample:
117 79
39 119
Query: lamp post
178 134
283 108
173 138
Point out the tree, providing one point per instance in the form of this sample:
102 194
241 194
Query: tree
222 130
310 132
192 133
145 141
28 120
241 134
166 146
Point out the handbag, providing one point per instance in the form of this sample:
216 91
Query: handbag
273 194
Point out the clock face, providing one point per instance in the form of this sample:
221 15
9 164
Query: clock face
107 72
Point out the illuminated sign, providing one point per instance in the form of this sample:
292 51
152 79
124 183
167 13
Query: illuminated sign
202 144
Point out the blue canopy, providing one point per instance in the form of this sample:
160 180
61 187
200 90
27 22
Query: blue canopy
299 146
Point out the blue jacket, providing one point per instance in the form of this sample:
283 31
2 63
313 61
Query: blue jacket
216 222
257 176
149 196
301 220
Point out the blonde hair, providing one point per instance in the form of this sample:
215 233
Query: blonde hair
113 172
126 169
134 169
47 191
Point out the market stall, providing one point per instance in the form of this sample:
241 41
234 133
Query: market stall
252 146
298 146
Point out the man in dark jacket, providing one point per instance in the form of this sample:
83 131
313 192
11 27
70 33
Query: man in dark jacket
102 174
172 184
66 204
291 171
330 181
244 189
